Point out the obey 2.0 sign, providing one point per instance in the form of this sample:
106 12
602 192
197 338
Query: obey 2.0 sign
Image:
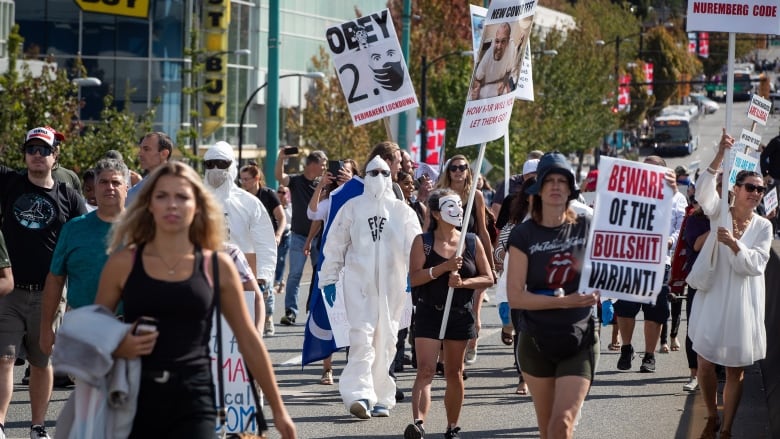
371 67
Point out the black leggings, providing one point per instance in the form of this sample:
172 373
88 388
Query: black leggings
515 314
693 360
676 317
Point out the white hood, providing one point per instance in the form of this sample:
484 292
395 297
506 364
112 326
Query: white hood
378 186
221 181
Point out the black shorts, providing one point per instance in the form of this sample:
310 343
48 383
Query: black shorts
657 313
461 324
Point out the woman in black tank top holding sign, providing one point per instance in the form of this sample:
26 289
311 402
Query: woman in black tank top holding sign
160 267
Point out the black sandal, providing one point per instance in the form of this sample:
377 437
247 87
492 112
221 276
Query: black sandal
507 338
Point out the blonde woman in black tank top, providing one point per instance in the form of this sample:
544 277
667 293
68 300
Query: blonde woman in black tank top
160 267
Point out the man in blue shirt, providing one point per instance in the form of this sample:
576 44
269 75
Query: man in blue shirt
81 248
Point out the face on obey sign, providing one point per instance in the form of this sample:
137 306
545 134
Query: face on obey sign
371 67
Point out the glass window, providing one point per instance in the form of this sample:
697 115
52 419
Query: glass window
168 28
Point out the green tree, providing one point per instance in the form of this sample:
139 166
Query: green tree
51 99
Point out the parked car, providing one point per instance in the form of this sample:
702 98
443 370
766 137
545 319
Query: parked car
707 105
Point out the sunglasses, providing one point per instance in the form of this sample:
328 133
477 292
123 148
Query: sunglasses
44 151
376 172
750 187
281 192
219 164
460 168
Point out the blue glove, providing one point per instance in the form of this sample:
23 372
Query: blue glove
330 294
408 283
503 312
607 312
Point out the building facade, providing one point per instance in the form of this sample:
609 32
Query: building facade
144 62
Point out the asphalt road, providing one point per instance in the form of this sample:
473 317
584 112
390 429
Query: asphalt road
620 405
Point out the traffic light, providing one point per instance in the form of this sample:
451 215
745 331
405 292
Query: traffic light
763 86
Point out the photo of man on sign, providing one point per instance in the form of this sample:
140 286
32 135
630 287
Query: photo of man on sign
500 57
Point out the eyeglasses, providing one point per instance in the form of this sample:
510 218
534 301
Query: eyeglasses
460 168
750 187
281 192
44 151
376 172
220 164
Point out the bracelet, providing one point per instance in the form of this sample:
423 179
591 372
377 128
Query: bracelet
712 171
430 273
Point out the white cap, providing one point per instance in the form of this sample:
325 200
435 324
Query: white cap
47 134
529 166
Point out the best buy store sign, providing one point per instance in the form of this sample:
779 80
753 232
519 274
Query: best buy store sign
126 8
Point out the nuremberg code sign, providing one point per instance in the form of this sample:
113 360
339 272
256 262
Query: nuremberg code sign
371 67
759 109
494 81
743 16
627 247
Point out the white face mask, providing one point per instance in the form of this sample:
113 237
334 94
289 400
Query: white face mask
217 177
451 210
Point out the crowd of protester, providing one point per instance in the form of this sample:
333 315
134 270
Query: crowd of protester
385 241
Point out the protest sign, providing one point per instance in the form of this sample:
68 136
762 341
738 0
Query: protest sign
770 200
627 244
745 16
239 403
742 162
525 82
371 67
496 74
748 139
759 109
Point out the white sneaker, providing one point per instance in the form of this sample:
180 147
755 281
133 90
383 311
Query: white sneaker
38 432
692 385
471 355
269 326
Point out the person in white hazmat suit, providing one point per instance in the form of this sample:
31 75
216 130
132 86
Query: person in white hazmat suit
370 238
247 222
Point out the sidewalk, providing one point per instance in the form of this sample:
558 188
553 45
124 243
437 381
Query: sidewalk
752 421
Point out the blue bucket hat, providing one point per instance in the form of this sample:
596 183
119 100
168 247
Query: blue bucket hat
554 162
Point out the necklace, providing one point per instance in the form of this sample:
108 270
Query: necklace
171 269
740 226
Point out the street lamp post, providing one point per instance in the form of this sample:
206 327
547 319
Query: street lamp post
312 75
424 97
89 81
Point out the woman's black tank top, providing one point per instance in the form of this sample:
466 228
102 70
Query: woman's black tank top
434 293
183 310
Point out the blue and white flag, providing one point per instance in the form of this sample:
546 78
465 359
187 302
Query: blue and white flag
318 341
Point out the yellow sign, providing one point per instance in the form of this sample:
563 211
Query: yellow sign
216 21
125 8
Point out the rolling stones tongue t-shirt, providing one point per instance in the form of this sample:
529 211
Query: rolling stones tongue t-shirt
555 257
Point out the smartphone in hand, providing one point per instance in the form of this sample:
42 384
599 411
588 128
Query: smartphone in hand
291 150
145 325
334 166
